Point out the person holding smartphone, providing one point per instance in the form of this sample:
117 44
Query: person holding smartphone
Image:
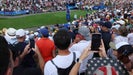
87 51
83 31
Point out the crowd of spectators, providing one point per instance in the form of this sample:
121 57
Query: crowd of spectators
39 6
69 44
34 6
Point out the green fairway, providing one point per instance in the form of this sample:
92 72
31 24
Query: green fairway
39 19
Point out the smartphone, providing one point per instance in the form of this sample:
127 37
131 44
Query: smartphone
96 41
32 43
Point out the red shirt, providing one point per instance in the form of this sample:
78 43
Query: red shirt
46 47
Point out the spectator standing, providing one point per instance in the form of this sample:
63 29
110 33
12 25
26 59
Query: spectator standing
10 35
26 57
44 47
106 35
130 36
122 35
84 32
64 61
6 65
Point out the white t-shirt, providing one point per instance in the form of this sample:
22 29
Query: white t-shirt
120 39
61 62
80 46
130 38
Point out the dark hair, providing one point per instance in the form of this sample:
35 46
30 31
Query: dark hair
131 29
32 71
124 59
4 55
123 31
62 39
124 52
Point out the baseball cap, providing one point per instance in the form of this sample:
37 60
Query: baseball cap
20 33
116 26
120 44
124 48
84 31
120 22
107 24
44 32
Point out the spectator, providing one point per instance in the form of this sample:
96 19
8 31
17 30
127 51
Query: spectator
105 32
84 32
64 61
125 52
84 55
122 35
10 35
75 69
44 47
6 64
130 36
24 52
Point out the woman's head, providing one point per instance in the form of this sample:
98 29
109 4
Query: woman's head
123 31
125 55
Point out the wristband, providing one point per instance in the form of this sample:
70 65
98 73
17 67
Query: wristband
79 61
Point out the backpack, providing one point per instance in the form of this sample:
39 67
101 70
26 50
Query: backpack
62 71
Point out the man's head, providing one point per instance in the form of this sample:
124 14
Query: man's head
62 39
123 31
106 25
10 32
21 34
85 32
44 32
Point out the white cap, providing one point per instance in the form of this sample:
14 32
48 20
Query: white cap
121 22
27 32
20 33
116 26
120 44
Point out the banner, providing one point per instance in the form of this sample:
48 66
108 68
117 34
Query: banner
13 13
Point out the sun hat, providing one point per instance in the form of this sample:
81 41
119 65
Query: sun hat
11 33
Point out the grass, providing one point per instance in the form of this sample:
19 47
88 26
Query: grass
38 19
